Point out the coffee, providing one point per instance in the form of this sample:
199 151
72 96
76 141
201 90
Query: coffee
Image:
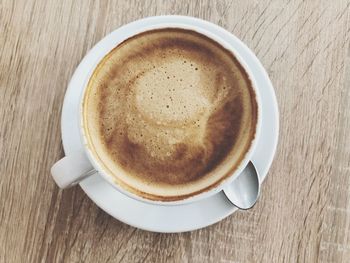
169 113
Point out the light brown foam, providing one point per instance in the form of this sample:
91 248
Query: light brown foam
169 113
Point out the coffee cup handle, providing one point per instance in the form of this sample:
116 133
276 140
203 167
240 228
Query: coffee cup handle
71 169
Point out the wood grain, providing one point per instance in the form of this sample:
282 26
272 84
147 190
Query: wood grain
304 211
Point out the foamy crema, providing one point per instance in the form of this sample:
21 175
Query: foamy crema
169 113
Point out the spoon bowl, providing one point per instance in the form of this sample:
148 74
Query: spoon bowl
244 191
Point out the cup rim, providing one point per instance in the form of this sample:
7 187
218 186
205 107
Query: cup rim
107 44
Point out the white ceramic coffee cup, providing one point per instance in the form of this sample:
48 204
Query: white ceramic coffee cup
75 167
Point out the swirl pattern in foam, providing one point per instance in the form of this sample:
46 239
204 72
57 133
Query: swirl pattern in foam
169 113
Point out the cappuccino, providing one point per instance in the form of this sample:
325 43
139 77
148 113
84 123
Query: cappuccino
169 113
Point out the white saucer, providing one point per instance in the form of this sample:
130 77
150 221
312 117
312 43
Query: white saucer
178 218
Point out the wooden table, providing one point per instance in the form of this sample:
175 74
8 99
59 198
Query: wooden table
303 214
